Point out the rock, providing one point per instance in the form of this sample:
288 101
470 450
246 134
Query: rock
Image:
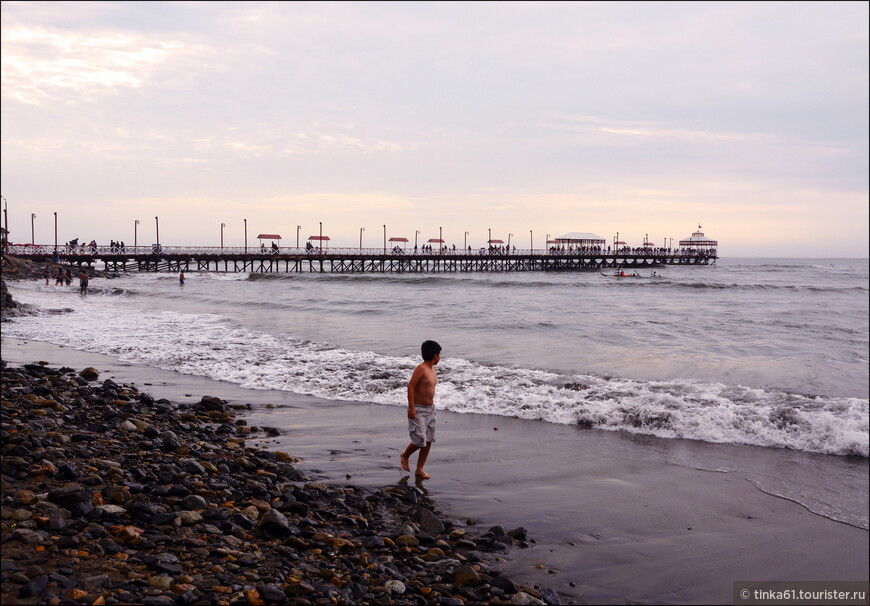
466 575
90 374
395 586
524 599
273 523
428 521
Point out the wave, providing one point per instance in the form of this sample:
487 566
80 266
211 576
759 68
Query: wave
208 345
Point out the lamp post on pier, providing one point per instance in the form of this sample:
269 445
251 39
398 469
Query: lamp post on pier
361 230
55 231
32 230
222 235
509 241
547 243
246 235
157 226
531 242
416 233
135 234
465 243
298 227
440 242
385 240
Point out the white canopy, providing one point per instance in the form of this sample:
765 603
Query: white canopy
580 237
699 239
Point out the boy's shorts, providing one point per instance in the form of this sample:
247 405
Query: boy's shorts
422 429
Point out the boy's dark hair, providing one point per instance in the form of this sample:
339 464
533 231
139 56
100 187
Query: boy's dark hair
429 350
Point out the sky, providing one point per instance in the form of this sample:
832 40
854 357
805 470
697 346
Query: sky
504 120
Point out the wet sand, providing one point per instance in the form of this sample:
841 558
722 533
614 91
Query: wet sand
616 517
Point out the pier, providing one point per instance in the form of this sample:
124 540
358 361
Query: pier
356 260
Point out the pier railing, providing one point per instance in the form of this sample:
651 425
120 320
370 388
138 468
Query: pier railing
256 259
43 250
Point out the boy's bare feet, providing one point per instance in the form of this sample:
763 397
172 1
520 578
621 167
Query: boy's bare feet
404 460
422 475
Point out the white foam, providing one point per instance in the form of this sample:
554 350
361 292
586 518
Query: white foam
209 345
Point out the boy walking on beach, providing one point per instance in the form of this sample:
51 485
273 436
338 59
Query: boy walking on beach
421 408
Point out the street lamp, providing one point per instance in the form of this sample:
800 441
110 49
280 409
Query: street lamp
55 231
490 236
321 236
440 241
32 232
246 235
416 233
509 241
531 242
361 230
298 227
135 234
157 225
6 218
222 235
385 240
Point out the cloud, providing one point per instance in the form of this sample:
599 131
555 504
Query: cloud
40 63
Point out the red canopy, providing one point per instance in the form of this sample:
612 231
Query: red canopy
318 237
398 239
268 237
496 241
437 240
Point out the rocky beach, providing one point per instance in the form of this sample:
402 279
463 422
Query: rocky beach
110 496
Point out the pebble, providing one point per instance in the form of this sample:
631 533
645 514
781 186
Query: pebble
112 496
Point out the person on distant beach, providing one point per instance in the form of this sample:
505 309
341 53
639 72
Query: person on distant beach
83 283
421 408
181 278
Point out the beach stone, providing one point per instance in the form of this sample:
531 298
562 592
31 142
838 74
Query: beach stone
194 501
27 536
190 518
428 521
524 599
395 586
518 533
34 588
550 597
271 594
504 583
273 523
466 575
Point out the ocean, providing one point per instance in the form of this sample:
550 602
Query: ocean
771 353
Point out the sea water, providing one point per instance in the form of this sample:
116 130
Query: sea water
764 352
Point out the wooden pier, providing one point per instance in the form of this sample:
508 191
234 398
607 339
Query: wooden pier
344 261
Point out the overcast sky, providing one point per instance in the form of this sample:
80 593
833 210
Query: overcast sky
750 120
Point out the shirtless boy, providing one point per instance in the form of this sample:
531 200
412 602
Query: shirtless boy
421 408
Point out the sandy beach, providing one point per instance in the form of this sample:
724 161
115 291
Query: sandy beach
616 517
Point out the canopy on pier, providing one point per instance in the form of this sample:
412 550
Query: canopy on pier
262 237
436 240
495 241
580 238
320 239
394 239
699 241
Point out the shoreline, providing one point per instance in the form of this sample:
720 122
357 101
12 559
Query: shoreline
111 495
619 516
